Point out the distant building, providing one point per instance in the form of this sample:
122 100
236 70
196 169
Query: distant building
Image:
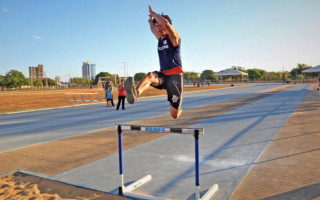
57 79
89 70
36 73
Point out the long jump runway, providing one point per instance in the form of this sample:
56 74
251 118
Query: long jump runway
231 144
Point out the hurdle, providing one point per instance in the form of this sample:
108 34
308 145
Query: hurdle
82 97
127 190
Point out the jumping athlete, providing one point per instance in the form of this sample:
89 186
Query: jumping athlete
170 76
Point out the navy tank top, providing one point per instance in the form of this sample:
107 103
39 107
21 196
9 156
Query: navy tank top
169 55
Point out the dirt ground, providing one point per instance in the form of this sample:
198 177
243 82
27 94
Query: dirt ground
31 100
289 167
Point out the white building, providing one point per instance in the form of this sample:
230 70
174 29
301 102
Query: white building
89 70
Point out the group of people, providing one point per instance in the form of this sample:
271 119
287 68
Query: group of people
109 96
200 83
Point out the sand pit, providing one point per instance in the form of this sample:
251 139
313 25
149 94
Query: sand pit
28 187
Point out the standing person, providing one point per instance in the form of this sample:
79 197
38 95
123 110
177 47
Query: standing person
121 95
109 87
107 90
170 76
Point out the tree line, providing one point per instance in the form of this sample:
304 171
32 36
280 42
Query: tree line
255 74
16 79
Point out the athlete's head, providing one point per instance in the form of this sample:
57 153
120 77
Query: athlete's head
159 28
164 16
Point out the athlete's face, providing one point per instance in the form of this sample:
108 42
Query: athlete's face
161 30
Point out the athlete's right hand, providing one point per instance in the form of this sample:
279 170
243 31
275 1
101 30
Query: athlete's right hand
150 10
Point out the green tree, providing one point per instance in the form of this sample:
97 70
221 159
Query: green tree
49 81
207 75
273 76
263 73
254 74
101 74
37 83
300 76
190 76
239 68
2 81
298 70
116 79
139 76
79 81
14 79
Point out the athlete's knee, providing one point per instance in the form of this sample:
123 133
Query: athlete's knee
151 75
175 113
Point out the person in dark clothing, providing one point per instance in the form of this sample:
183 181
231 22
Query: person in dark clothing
170 76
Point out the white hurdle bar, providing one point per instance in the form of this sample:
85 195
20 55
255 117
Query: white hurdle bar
127 190
82 96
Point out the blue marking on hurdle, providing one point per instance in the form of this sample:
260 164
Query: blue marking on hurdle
126 190
155 129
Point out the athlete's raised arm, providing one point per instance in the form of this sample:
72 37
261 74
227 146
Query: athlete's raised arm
173 34
153 27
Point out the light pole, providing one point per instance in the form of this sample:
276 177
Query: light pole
125 68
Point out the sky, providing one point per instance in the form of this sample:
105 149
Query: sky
273 35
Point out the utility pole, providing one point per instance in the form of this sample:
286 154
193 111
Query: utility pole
125 68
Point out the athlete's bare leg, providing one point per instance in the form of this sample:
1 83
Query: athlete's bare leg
133 93
151 78
175 113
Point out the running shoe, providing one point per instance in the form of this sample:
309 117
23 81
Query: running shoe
130 90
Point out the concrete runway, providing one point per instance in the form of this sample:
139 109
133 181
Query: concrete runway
231 144
29 128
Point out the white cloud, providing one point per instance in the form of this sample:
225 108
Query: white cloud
5 10
37 37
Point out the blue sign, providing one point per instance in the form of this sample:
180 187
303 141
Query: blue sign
156 129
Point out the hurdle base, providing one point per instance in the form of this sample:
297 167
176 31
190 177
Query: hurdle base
127 190
212 190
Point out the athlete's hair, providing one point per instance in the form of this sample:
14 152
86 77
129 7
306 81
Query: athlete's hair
164 16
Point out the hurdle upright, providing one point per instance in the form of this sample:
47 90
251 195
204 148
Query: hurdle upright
127 190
